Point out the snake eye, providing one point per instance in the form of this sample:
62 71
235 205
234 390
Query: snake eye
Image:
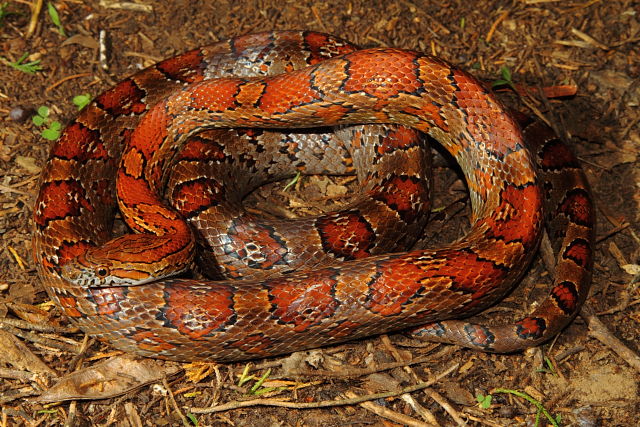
102 272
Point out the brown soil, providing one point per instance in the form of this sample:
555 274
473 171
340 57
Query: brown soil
591 45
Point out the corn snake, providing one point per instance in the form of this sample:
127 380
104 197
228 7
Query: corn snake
91 169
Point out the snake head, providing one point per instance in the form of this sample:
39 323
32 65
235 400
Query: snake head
88 271
128 260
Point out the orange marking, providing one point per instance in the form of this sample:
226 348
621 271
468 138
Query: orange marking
132 162
69 305
249 94
284 93
149 341
303 306
253 344
221 99
383 75
199 312
428 112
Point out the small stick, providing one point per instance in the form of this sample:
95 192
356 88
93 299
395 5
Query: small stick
36 7
494 26
323 404
22 324
64 79
172 399
389 414
37 339
600 332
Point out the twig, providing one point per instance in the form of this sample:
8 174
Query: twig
587 38
316 15
323 404
354 373
495 24
172 399
37 339
71 416
18 375
446 406
421 410
22 324
600 332
33 22
389 414
126 5
64 79
613 231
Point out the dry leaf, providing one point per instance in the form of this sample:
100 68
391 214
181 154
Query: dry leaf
107 379
82 40
28 163
633 269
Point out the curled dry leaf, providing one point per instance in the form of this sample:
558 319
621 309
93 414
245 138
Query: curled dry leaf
107 379
82 40
633 269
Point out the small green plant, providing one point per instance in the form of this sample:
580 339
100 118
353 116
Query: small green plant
53 127
505 72
192 419
257 388
484 401
55 18
31 67
549 369
82 101
293 181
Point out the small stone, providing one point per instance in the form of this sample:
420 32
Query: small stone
18 114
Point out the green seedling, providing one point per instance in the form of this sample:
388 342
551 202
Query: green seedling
555 421
82 101
293 181
484 401
549 369
257 388
53 127
31 67
55 18
192 419
505 80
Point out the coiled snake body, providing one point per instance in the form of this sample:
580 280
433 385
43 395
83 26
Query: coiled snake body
116 152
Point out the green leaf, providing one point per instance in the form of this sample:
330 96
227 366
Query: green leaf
499 83
27 67
82 101
484 401
541 409
55 126
244 377
43 111
292 182
55 18
37 120
50 134
262 379
192 418
506 73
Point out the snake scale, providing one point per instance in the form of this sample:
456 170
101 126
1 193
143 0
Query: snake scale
208 112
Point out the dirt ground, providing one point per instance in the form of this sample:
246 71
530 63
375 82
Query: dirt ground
589 46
